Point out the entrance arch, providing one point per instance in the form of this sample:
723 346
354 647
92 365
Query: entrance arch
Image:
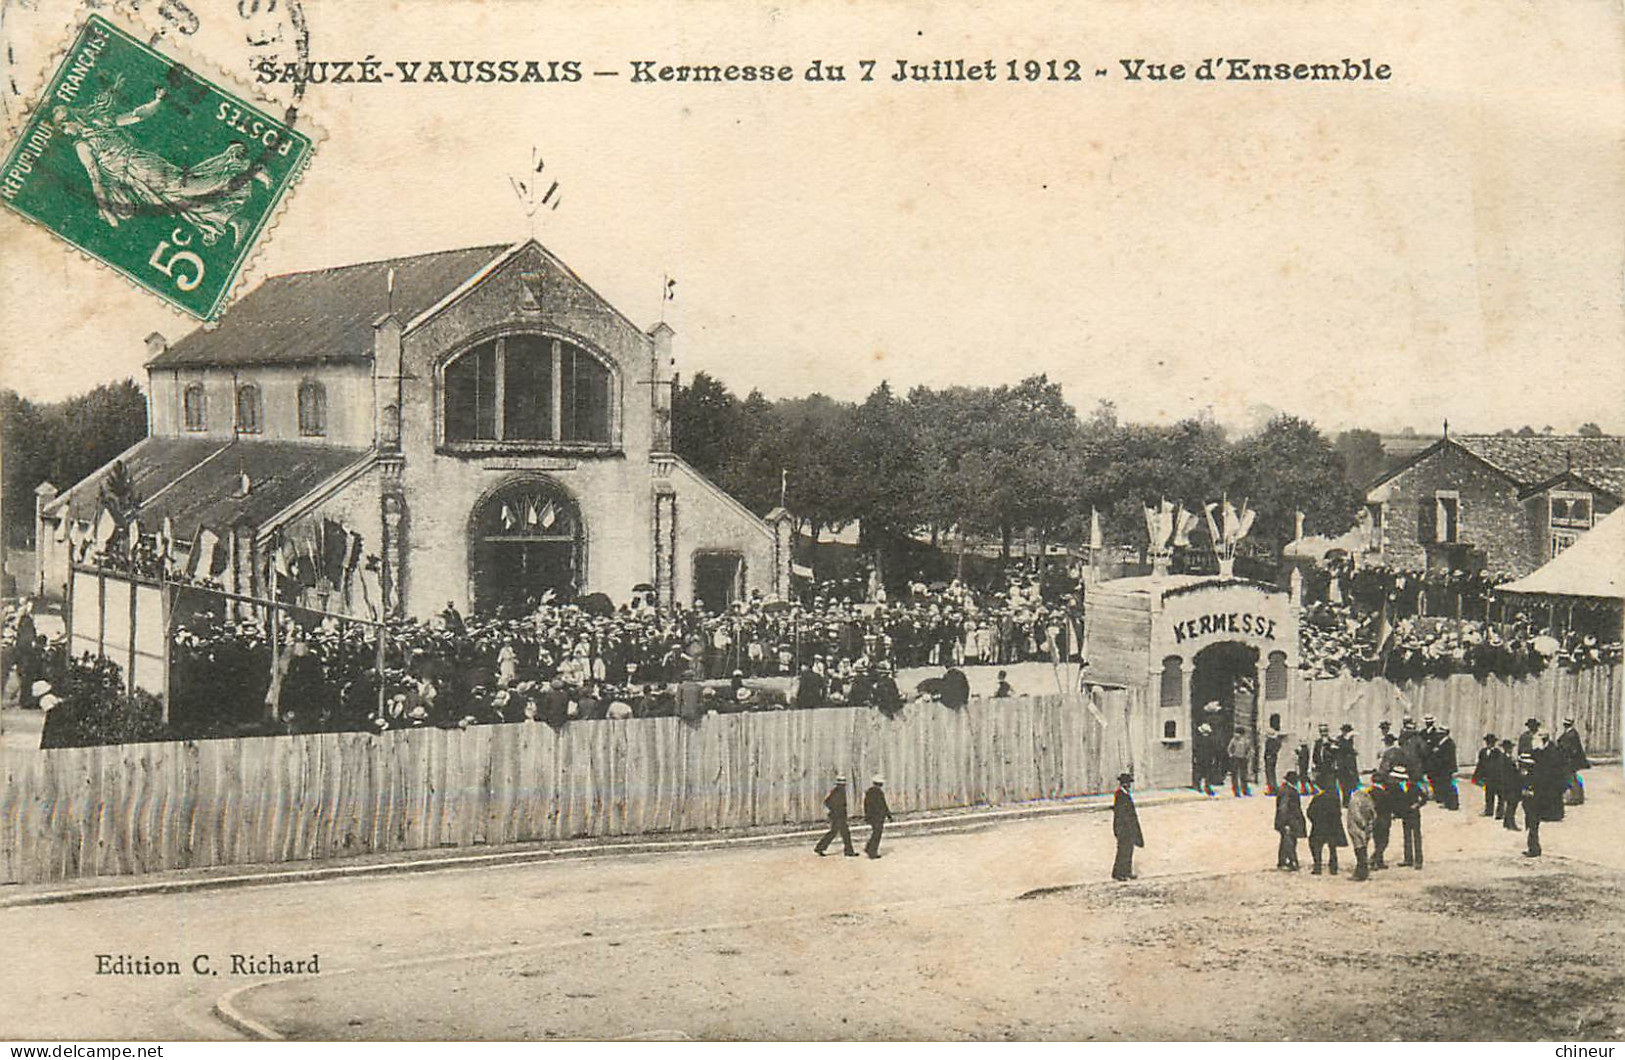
525 538
1226 674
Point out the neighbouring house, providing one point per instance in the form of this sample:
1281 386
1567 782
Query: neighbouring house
1505 503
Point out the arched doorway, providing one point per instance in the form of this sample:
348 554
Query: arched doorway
525 540
1225 676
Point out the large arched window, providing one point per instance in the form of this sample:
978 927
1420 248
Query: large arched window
312 408
194 407
528 388
249 417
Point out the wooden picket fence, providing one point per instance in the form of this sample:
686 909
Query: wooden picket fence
139 808
1467 705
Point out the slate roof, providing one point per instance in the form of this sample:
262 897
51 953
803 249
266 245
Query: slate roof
1534 461
325 314
194 481
1528 461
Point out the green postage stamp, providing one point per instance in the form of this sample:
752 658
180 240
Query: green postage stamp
151 168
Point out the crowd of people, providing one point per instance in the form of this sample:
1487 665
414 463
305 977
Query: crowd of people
1377 621
1416 766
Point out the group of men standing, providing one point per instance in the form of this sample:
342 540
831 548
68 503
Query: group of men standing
1539 773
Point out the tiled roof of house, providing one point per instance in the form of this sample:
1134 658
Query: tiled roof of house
325 314
1532 460
195 482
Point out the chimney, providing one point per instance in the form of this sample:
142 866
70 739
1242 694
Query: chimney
662 384
386 381
156 345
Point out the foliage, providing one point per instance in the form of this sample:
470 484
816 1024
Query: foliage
61 443
1363 456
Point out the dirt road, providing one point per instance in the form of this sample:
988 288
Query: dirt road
944 937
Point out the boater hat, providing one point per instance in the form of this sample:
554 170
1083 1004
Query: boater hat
1124 776
1399 773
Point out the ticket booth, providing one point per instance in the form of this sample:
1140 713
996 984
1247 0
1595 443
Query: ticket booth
1204 649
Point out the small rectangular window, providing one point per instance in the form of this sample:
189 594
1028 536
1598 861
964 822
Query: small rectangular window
192 402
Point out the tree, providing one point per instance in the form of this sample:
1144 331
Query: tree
62 442
1363 455
705 424
1589 430
1289 467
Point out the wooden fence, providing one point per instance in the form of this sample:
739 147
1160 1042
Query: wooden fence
1467 705
147 807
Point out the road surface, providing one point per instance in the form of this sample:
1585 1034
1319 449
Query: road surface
943 937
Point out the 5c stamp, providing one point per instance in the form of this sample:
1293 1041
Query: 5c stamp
151 168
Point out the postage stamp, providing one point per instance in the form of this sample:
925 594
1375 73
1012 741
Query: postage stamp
151 168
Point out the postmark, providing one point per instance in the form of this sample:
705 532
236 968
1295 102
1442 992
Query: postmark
150 167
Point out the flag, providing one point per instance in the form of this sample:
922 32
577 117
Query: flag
222 557
351 562
1097 540
1184 523
62 525
1151 525
1297 532
135 535
389 283
508 520
106 527
1212 524
1165 523
200 564
670 292
335 549
1232 523
1247 517
532 517
549 516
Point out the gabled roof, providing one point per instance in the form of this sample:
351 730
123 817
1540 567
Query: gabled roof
325 314
1608 480
1530 461
194 481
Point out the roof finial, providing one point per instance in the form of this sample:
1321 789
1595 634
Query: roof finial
1447 430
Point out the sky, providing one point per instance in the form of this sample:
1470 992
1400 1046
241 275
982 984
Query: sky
1446 244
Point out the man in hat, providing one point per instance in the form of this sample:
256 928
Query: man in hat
1510 781
1382 805
1346 760
1203 755
1573 752
1239 751
1324 758
1274 738
1486 774
1289 822
1528 771
835 804
877 813
1442 769
810 688
1527 739
1326 828
1125 828
1360 817
1408 797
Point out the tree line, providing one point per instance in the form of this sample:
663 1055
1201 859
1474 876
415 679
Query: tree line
1010 461
61 442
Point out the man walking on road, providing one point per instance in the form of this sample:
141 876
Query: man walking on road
1126 828
835 803
1408 798
877 813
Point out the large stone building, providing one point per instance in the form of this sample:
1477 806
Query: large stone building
475 426
1500 502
